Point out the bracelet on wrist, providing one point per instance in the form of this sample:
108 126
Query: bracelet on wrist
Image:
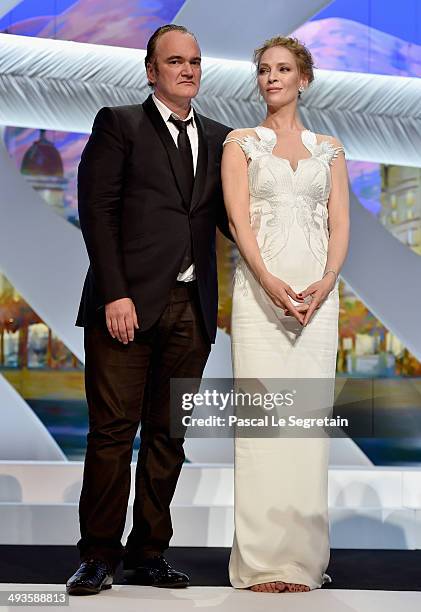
333 272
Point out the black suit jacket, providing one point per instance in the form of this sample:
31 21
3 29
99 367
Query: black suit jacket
135 219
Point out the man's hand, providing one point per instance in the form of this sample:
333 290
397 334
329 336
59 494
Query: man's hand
121 319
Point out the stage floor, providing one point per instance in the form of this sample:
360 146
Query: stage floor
359 570
128 598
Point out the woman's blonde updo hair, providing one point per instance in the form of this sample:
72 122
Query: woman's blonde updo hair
302 55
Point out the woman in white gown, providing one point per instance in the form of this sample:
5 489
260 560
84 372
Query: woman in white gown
286 193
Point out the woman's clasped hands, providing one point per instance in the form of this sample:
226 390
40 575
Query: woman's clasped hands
308 300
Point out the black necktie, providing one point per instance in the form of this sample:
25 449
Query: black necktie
184 149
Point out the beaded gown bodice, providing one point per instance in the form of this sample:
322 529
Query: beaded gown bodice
288 208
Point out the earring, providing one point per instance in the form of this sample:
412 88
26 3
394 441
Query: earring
301 89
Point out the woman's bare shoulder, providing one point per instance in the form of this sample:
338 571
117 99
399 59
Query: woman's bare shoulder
331 139
240 133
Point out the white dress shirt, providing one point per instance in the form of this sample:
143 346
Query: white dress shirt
189 274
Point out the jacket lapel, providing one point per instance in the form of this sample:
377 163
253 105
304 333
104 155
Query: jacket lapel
163 132
202 162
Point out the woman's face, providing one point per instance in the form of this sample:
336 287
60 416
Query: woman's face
278 77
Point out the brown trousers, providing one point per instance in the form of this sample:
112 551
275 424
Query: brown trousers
127 385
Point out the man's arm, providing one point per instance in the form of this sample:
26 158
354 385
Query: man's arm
100 177
100 183
222 216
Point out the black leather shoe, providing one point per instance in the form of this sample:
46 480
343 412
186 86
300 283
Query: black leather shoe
93 576
157 572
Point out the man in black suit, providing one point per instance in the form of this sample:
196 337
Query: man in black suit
150 199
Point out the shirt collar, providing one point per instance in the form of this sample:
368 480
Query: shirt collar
166 113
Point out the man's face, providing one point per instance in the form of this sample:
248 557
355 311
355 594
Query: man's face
175 71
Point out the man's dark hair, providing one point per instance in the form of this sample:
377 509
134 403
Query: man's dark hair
152 42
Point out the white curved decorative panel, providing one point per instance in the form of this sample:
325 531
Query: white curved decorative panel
60 85
22 435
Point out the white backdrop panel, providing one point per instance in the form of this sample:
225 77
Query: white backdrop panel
232 29
41 254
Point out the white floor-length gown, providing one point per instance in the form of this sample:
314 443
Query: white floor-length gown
281 521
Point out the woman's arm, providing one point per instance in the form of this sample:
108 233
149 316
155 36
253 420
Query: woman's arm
237 203
338 207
